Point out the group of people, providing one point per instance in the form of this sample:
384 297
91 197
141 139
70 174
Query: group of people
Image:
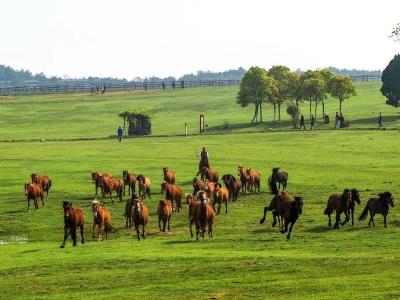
313 123
95 89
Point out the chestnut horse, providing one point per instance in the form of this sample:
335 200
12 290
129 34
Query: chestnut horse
221 195
340 204
204 215
109 184
169 175
210 189
233 185
172 193
130 181
101 217
253 179
33 191
243 178
279 178
378 205
192 203
96 179
164 211
144 186
140 216
198 185
44 181
128 211
73 218
207 173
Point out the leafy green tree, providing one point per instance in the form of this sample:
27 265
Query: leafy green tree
293 111
286 83
256 87
390 82
341 88
311 88
327 74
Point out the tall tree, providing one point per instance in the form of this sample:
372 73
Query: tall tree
256 87
286 83
327 74
311 88
390 82
341 88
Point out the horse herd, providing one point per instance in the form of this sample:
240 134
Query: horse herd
207 194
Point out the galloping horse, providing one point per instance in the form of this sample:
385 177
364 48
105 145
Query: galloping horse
169 175
43 180
340 204
33 191
73 218
164 211
198 185
221 195
292 214
130 181
283 197
101 217
96 179
172 193
207 173
140 216
109 184
192 203
377 205
144 186
233 185
355 198
243 178
253 179
280 178
204 215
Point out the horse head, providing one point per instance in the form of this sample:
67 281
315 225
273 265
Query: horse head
140 178
189 198
125 175
137 206
165 170
387 198
299 204
95 207
163 187
67 206
27 187
94 176
34 177
355 196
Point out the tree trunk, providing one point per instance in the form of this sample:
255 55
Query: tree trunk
310 108
255 114
274 111
279 110
260 112
340 107
323 109
315 109
297 103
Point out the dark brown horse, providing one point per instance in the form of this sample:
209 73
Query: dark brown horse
44 181
164 212
340 203
173 193
210 175
169 175
73 218
109 184
140 216
378 205
291 215
101 217
34 191
144 186
130 181
128 211
282 198
280 178
355 198
192 203
204 215
233 185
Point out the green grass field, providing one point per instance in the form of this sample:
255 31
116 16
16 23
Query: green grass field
244 259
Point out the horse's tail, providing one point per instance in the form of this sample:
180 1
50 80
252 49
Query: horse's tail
49 183
272 185
327 210
364 213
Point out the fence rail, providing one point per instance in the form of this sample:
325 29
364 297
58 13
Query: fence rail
129 86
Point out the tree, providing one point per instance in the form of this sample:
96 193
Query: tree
286 83
327 74
396 33
293 111
256 87
390 82
341 88
311 88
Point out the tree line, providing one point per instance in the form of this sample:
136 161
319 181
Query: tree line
280 85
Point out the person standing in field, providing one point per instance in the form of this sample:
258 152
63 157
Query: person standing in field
337 120
120 131
302 122
380 119
313 125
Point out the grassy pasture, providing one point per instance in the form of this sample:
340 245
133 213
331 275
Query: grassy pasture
244 259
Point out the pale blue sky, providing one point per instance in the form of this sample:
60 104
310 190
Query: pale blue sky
142 38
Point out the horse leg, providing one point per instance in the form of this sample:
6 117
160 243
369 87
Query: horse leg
73 235
352 217
210 230
336 226
137 231
66 235
347 215
168 220
262 220
371 219
149 193
99 232
82 239
29 203
290 229
219 207
274 213
36 203
159 223
329 222
226 206
93 227
285 227
384 220
106 229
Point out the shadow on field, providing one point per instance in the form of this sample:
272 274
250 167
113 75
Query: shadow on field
319 229
373 121
180 242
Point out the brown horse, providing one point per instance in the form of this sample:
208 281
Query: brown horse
355 198
96 179
210 189
283 197
378 205
221 195
291 215
101 217
34 191
169 175
140 216
253 179
164 211
128 211
144 186
340 203
243 178
279 178
198 185
210 175
73 218
109 184
44 181
233 185
192 203
130 181
173 193
204 215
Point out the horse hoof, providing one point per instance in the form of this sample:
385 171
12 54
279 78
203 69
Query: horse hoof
62 246
262 221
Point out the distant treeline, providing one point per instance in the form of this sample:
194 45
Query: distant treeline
12 77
